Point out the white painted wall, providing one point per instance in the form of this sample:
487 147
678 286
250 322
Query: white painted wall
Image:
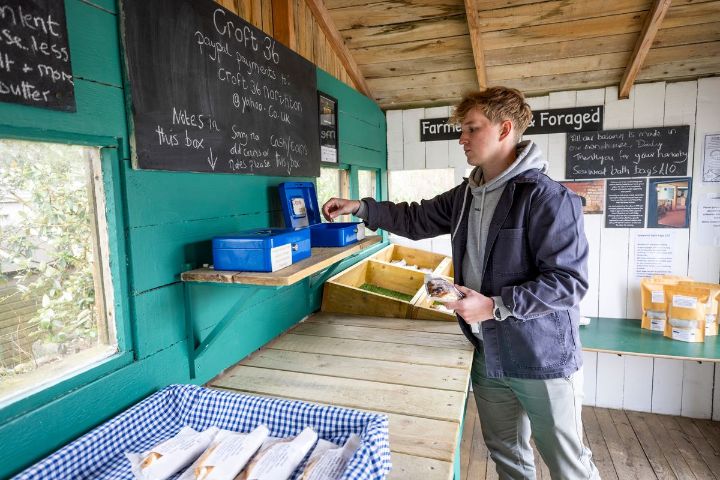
619 381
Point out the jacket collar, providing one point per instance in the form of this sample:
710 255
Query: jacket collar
528 176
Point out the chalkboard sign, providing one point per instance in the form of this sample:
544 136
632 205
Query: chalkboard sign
34 55
212 93
638 152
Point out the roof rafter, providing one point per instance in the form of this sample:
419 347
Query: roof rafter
322 16
652 24
476 40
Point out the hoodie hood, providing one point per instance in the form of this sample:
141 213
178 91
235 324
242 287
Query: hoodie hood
528 156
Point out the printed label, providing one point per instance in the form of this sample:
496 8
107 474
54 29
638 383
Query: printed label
280 257
683 301
710 318
298 206
657 325
685 335
657 296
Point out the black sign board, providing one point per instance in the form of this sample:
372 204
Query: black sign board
561 120
625 203
432 129
35 64
639 152
212 93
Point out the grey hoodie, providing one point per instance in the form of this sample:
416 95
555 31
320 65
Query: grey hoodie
485 198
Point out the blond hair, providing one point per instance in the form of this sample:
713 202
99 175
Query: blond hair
497 104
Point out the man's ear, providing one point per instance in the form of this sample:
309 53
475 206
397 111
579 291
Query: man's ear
505 129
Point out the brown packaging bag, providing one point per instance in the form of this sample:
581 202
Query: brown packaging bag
686 309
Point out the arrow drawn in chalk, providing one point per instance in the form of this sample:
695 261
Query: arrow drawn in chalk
212 160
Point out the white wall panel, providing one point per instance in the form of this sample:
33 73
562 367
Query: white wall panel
441 245
589 306
649 109
667 386
716 394
697 389
539 103
610 380
394 119
436 153
556 141
704 262
590 374
413 148
638 383
424 244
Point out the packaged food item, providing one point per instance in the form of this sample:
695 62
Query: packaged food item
686 311
280 460
321 447
167 458
228 453
332 464
441 290
654 305
713 305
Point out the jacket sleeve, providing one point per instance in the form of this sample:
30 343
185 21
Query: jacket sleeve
559 248
416 221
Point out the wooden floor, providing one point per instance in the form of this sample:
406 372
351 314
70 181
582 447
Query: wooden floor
625 445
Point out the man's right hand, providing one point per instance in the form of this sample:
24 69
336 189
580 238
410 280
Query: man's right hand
335 207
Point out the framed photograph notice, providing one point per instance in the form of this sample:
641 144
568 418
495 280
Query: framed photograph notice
328 128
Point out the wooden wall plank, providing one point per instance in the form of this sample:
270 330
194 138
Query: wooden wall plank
437 152
610 380
667 386
697 389
637 394
395 139
413 149
590 380
704 259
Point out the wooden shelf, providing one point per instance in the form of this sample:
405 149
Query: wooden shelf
320 259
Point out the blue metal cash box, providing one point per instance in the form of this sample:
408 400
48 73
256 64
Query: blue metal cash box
260 250
300 209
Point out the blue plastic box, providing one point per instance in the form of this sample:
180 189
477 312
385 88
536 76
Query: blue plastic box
300 209
261 250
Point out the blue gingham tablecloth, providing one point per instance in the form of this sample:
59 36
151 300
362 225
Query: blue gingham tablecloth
100 454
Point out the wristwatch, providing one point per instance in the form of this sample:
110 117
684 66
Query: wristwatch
496 313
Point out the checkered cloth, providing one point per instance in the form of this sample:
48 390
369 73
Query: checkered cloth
100 454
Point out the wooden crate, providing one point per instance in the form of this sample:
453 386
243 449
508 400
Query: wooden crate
343 293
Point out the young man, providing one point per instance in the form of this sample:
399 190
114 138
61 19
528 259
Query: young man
520 258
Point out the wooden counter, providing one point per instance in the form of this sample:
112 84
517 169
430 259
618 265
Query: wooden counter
414 371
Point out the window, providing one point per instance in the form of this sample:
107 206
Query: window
415 185
55 288
333 182
367 187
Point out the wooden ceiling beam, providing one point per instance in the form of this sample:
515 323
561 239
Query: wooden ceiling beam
652 24
476 41
322 16
283 13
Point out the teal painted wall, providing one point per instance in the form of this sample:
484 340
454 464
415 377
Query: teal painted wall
166 221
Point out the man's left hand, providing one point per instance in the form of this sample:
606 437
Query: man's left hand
474 308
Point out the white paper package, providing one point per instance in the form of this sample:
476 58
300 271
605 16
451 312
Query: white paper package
167 458
332 464
280 460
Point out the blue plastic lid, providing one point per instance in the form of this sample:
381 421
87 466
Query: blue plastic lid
299 204
258 238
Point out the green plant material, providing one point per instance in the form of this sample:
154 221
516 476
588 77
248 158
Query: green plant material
386 291
46 246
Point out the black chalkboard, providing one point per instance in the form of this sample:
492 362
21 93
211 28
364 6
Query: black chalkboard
212 93
35 64
637 152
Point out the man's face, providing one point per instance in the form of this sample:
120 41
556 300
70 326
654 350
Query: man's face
481 139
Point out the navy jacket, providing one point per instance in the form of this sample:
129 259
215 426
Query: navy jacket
535 258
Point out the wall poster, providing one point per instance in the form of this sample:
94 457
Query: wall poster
625 202
711 158
592 194
669 202
328 128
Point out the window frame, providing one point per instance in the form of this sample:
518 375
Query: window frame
112 168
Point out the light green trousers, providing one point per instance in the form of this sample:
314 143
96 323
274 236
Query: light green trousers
513 409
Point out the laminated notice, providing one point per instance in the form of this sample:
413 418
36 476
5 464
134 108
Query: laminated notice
280 257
